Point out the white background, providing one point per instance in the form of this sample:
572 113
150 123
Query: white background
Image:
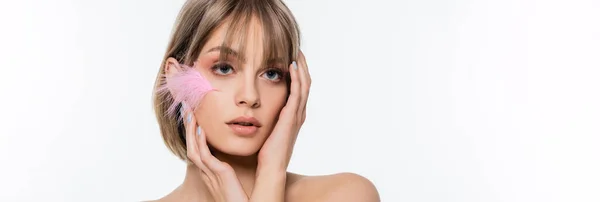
431 100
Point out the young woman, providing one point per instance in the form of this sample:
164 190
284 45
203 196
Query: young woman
238 140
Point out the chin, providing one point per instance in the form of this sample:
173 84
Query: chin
238 146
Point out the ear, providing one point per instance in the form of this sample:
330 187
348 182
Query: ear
172 67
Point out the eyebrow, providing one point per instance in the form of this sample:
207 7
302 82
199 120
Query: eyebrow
228 51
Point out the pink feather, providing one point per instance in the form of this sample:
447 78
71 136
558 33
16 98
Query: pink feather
188 86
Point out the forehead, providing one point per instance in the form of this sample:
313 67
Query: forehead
241 41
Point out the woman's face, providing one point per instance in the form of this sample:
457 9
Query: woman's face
245 89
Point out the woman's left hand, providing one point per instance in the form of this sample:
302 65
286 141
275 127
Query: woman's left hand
276 152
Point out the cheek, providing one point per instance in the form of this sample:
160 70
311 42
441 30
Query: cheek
274 99
210 109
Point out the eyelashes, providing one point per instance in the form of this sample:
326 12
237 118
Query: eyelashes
222 69
273 74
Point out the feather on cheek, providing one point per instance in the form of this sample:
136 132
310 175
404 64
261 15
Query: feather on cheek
188 86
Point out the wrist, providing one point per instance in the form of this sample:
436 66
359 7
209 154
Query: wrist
269 186
270 178
271 169
277 167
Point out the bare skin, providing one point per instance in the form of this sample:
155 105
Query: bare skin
254 169
299 188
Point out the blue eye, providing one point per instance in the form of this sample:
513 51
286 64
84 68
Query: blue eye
222 69
273 75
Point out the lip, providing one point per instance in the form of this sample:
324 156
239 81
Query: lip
244 130
246 119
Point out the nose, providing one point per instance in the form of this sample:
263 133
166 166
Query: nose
248 95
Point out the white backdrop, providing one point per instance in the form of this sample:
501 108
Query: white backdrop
431 100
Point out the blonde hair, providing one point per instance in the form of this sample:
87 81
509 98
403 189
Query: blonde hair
195 23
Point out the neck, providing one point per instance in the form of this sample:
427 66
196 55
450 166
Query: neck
194 187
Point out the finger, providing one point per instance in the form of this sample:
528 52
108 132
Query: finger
197 150
304 85
302 61
223 173
193 152
306 82
207 158
291 106
190 139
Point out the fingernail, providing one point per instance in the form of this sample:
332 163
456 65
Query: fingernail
295 65
189 119
198 131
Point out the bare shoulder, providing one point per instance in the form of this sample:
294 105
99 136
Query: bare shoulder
347 187
159 200
171 197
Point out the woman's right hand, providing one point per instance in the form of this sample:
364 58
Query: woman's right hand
219 177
